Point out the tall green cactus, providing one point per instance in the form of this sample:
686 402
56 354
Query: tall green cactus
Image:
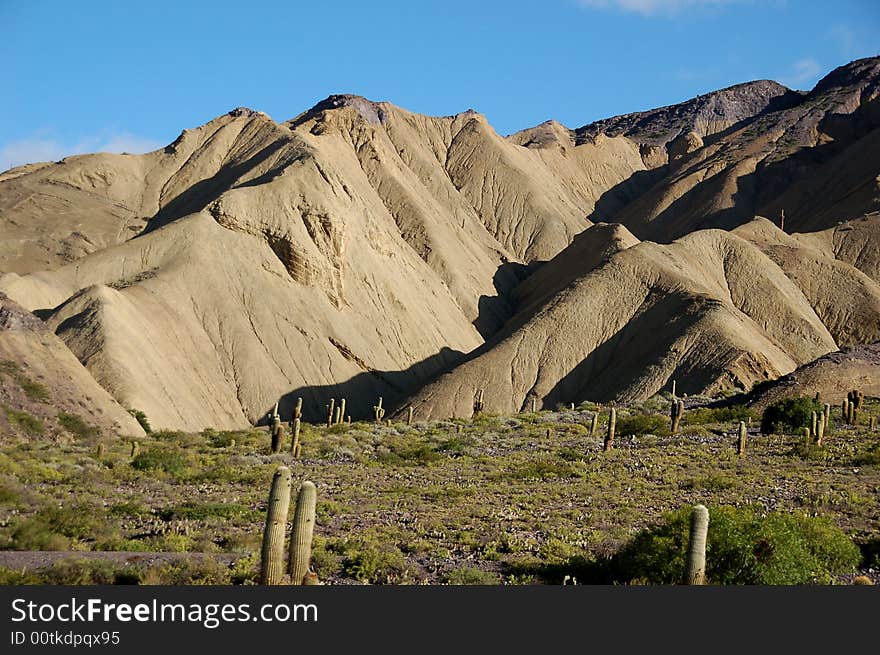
294 444
409 416
741 443
379 411
594 425
301 536
272 554
341 416
814 424
277 433
820 429
695 568
298 410
677 413
612 426
827 416
330 408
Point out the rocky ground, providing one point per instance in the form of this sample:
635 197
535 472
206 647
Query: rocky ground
518 499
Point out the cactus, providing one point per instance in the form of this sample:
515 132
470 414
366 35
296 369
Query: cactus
695 569
827 415
301 535
379 411
856 398
297 425
808 441
298 452
298 410
277 433
478 402
741 444
534 405
677 413
135 449
337 416
272 554
341 415
872 424
612 425
594 425
100 452
409 417
330 409
673 389
820 429
814 423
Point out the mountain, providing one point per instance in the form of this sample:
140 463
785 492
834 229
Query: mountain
832 376
360 250
716 311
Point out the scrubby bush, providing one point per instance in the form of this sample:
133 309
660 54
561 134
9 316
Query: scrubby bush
24 421
789 415
76 426
470 576
160 459
704 415
743 548
368 561
641 424
141 418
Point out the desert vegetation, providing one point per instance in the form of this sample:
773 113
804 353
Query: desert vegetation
529 498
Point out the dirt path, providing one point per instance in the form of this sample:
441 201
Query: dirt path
40 559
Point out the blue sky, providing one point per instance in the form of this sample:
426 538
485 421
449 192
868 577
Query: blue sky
115 76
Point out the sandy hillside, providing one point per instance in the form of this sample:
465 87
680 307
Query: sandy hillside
360 250
831 376
714 310
41 378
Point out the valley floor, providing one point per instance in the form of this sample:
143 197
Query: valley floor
529 498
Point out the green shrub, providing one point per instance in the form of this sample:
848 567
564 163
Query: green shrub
25 422
371 561
470 576
704 415
33 390
639 425
402 454
77 521
76 426
539 469
33 534
160 459
142 419
743 548
789 414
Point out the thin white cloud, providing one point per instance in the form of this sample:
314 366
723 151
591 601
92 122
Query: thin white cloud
804 74
654 7
42 147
